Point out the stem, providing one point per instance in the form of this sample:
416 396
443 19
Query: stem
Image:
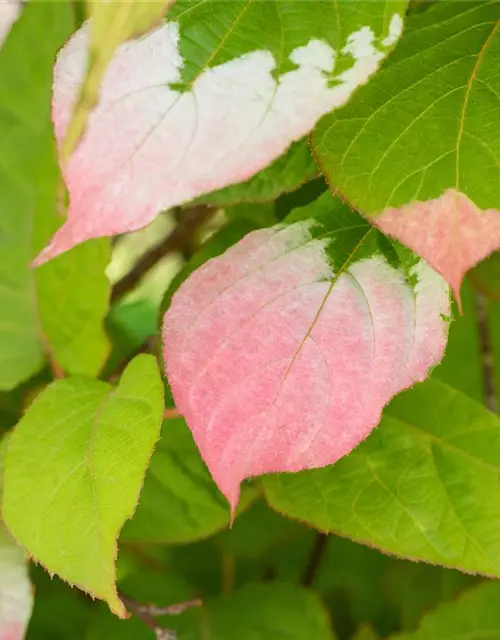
179 240
148 613
486 351
228 572
170 413
315 559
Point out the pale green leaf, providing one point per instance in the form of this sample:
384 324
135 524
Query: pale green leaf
72 291
25 89
424 485
74 468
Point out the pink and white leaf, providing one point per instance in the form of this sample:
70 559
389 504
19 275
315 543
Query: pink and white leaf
280 364
451 233
149 147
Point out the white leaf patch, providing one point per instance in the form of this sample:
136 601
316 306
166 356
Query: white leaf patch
149 146
9 12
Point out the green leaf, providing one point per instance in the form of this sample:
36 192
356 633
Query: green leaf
365 633
285 174
351 579
424 485
428 120
88 446
59 308
72 290
255 532
60 612
179 502
461 365
474 615
417 588
25 89
267 612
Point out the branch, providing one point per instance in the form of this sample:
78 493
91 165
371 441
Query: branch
148 613
180 240
315 559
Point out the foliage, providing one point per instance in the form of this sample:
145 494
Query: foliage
310 380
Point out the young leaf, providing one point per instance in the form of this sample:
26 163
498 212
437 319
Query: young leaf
207 100
264 611
16 597
282 352
417 149
74 468
423 486
474 615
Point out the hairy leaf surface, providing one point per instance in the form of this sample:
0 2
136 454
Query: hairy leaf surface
423 486
207 100
74 469
282 352
418 148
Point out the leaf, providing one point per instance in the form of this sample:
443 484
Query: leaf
285 174
365 633
59 611
461 366
252 338
179 502
60 309
473 615
25 85
16 598
418 588
112 23
207 100
72 291
423 486
257 531
417 148
88 446
264 611
485 277
9 12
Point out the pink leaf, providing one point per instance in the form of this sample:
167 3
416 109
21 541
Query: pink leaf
16 598
149 146
450 232
280 361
